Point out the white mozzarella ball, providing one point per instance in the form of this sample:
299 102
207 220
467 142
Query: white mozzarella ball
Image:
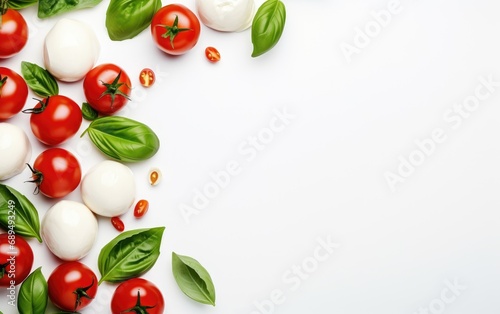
108 188
15 150
69 230
226 15
71 49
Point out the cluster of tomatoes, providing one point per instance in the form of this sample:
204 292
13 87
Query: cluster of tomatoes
56 172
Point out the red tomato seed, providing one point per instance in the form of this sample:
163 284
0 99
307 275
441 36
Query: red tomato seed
141 208
212 54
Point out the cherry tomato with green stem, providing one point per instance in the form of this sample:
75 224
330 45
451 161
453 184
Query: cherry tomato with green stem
13 93
16 259
55 119
72 286
137 295
13 31
107 88
56 172
175 29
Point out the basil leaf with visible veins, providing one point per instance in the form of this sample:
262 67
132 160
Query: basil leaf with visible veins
267 26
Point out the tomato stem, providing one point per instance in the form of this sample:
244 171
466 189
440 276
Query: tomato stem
138 308
4 6
3 268
37 178
43 106
173 30
82 293
113 89
3 80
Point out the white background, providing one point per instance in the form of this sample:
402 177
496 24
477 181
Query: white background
322 177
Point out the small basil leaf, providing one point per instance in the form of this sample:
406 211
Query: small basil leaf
33 294
123 139
21 4
48 8
130 254
39 80
125 19
267 26
88 112
193 279
18 214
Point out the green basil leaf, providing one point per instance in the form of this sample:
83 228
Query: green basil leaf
130 254
33 294
193 279
18 214
125 19
88 112
21 4
48 8
39 80
123 139
267 26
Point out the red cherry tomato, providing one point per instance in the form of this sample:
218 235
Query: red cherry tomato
147 77
107 88
212 54
137 295
13 93
72 286
13 33
141 208
56 172
175 29
55 119
118 223
16 259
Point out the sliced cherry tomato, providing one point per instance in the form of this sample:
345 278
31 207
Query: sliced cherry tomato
72 286
118 223
13 32
212 54
16 259
137 295
141 208
55 119
56 172
175 29
147 77
107 88
13 93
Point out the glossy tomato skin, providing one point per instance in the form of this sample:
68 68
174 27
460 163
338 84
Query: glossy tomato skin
13 33
72 286
107 100
125 297
55 119
16 258
56 172
187 23
13 93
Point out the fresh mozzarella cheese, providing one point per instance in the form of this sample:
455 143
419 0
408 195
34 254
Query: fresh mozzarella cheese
69 230
226 15
15 150
108 188
71 49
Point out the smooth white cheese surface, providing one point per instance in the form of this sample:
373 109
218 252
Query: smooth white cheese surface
108 188
69 230
226 15
15 150
71 49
